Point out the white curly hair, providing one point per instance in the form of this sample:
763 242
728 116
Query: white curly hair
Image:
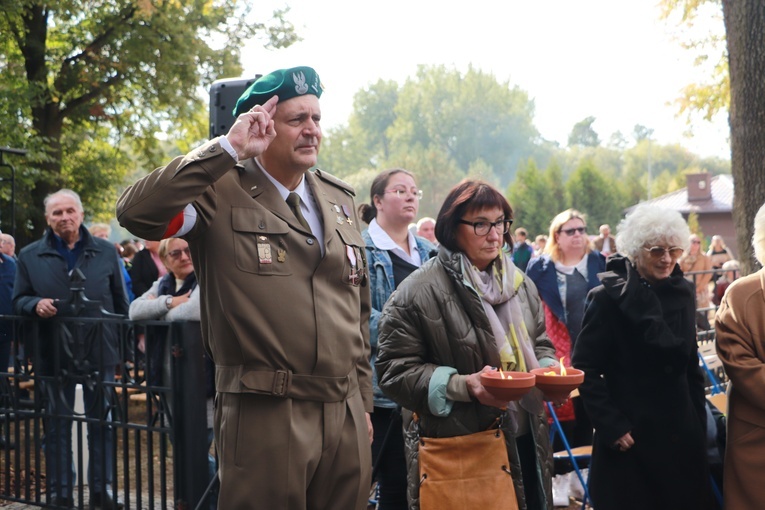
649 225
758 239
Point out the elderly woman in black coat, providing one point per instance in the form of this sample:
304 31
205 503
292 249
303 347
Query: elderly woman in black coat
643 387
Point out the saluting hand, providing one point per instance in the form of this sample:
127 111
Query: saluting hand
254 130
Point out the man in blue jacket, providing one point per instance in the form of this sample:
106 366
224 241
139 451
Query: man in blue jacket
522 250
7 274
42 284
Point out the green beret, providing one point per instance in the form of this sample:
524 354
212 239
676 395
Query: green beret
285 83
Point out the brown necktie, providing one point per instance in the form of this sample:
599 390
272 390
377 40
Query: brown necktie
293 200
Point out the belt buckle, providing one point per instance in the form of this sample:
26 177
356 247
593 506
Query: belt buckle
282 383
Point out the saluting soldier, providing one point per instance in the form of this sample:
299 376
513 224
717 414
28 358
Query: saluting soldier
285 308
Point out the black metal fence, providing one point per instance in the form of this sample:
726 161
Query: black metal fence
145 427
150 416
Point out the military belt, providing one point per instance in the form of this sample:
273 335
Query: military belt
285 384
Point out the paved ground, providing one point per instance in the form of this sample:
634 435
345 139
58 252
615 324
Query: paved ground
7 505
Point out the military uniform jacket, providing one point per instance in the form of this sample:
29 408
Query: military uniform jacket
277 317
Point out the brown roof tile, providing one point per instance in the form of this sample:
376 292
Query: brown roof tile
721 201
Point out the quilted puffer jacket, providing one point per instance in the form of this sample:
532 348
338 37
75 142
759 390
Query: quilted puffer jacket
432 320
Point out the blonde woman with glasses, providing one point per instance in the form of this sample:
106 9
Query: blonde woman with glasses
564 274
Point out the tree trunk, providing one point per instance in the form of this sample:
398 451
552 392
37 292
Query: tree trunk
47 119
745 31
50 170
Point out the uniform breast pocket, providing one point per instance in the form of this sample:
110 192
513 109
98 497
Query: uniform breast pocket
259 242
355 270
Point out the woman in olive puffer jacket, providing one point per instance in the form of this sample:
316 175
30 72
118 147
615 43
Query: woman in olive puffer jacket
439 331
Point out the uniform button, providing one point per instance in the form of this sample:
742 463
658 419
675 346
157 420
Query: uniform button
212 149
201 154
309 240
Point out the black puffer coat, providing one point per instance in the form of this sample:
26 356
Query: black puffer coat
433 319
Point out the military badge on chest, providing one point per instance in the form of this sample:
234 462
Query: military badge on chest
264 250
354 276
343 214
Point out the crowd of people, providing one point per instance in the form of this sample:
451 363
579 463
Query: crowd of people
37 283
339 347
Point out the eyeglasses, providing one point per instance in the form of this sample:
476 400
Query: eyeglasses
482 228
657 252
571 231
176 254
402 192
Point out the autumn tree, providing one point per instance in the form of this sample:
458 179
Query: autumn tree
736 57
745 30
84 86
710 96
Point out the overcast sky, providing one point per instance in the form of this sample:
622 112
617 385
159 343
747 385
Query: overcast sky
614 60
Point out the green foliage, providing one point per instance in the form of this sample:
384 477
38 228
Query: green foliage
91 165
84 86
362 183
595 195
711 96
445 126
640 133
343 154
537 197
583 134
468 124
373 115
436 174
467 117
530 197
618 141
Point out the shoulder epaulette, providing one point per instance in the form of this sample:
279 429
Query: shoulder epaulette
334 181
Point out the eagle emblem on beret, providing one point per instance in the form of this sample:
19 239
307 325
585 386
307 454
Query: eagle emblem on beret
301 87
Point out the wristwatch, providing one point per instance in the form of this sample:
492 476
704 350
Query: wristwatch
169 302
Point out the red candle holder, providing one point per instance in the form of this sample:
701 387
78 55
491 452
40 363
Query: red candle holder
557 387
514 386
